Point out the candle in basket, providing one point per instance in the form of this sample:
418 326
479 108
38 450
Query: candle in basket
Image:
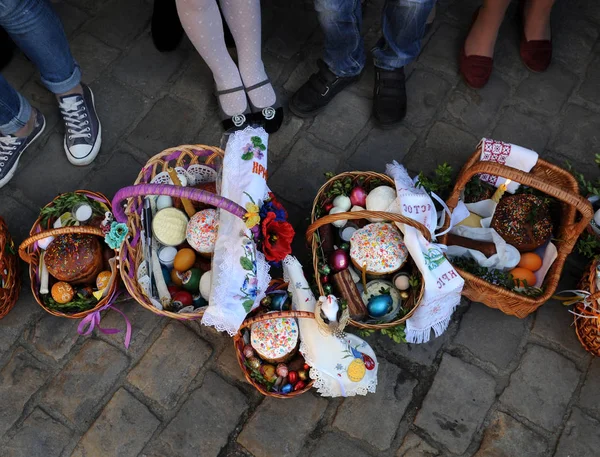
500 191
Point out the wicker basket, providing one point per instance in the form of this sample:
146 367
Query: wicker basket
588 328
551 180
9 273
131 255
238 344
29 252
368 180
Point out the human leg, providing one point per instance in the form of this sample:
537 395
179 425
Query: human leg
536 44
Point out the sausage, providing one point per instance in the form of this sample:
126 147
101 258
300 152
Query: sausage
487 248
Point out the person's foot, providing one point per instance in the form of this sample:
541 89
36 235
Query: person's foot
12 147
389 97
536 43
318 91
475 61
83 132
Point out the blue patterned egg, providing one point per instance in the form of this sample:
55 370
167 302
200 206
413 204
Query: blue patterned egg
286 389
379 306
278 302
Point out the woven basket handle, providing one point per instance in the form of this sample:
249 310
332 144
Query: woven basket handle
582 205
277 315
190 193
312 228
81 229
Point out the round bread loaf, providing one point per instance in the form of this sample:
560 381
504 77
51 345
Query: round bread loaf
378 248
275 340
74 258
523 221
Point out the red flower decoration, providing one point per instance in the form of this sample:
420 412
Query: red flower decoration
276 204
277 238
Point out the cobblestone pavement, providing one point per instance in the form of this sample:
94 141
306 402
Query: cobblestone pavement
491 386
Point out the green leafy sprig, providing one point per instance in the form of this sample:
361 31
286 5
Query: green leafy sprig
439 183
586 187
65 203
78 304
589 246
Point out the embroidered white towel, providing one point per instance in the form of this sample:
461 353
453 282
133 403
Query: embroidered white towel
507 154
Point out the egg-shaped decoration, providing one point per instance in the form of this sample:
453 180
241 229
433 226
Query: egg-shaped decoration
358 196
279 302
183 297
176 277
103 279
191 280
268 372
173 289
357 208
287 389
379 305
401 281
166 275
62 292
404 295
327 289
293 377
342 202
254 362
282 370
205 282
184 260
303 375
163 201
324 269
198 301
248 351
345 246
340 223
299 386
306 366
327 207
339 260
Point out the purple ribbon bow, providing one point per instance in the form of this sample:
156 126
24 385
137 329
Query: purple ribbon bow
91 320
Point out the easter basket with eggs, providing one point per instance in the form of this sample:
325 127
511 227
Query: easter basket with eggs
515 228
10 282
359 254
73 271
171 216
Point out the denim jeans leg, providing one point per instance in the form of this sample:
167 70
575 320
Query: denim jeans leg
36 29
341 22
15 110
403 25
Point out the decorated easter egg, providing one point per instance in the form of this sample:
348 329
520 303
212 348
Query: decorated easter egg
279 302
293 377
183 297
205 282
198 301
248 351
268 372
342 202
287 389
201 233
176 277
103 279
173 289
184 260
254 363
299 386
358 196
302 375
380 305
342 222
339 260
282 370
62 292
191 280
356 370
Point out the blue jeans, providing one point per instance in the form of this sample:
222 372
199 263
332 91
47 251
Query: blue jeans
403 25
36 29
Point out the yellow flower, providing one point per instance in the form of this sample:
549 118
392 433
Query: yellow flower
251 218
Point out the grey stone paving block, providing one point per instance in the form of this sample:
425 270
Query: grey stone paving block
54 337
301 175
228 365
590 89
507 59
444 143
170 365
120 22
91 5
147 69
26 310
332 445
39 435
169 123
425 92
123 428
257 435
588 9
388 404
422 354
541 387
442 49
120 171
580 436
196 84
18 71
475 110
274 67
18 217
506 436
76 391
142 323
456 404
41 98
342 119
20 378
589 397
92 55
547 91
70 16
461 12
577 38
118 106
306 67
292 31
579 134
414 446
502 334
384 144
191 434
522 129
279 144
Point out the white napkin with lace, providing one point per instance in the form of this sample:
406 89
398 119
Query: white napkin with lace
331 359
507 154
240 272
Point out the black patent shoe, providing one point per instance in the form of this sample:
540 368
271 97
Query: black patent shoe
270 117
389 97
318 91
237 121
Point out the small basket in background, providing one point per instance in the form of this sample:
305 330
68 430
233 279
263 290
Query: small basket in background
10 282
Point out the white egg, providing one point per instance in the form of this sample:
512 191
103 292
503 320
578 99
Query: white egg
401 282
336 210
357 208
341 201
163 201
380 199
597 218
205 282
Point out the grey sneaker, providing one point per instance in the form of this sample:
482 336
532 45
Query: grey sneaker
83 133
11 148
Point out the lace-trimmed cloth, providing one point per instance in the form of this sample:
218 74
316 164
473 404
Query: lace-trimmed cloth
340 367
240 272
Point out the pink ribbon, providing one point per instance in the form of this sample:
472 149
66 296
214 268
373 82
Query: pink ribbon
91 320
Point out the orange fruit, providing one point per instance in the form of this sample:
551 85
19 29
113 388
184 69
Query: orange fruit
530 261
523 277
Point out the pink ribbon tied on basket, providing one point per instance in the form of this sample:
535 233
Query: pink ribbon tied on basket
91 320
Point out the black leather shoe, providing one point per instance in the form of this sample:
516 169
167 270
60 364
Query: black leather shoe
318 91
389 97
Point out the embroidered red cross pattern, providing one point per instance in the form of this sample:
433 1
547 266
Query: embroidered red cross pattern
494 151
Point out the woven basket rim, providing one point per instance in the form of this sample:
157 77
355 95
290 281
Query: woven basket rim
9 294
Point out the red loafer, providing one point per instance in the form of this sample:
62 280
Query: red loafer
475 70
535 54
